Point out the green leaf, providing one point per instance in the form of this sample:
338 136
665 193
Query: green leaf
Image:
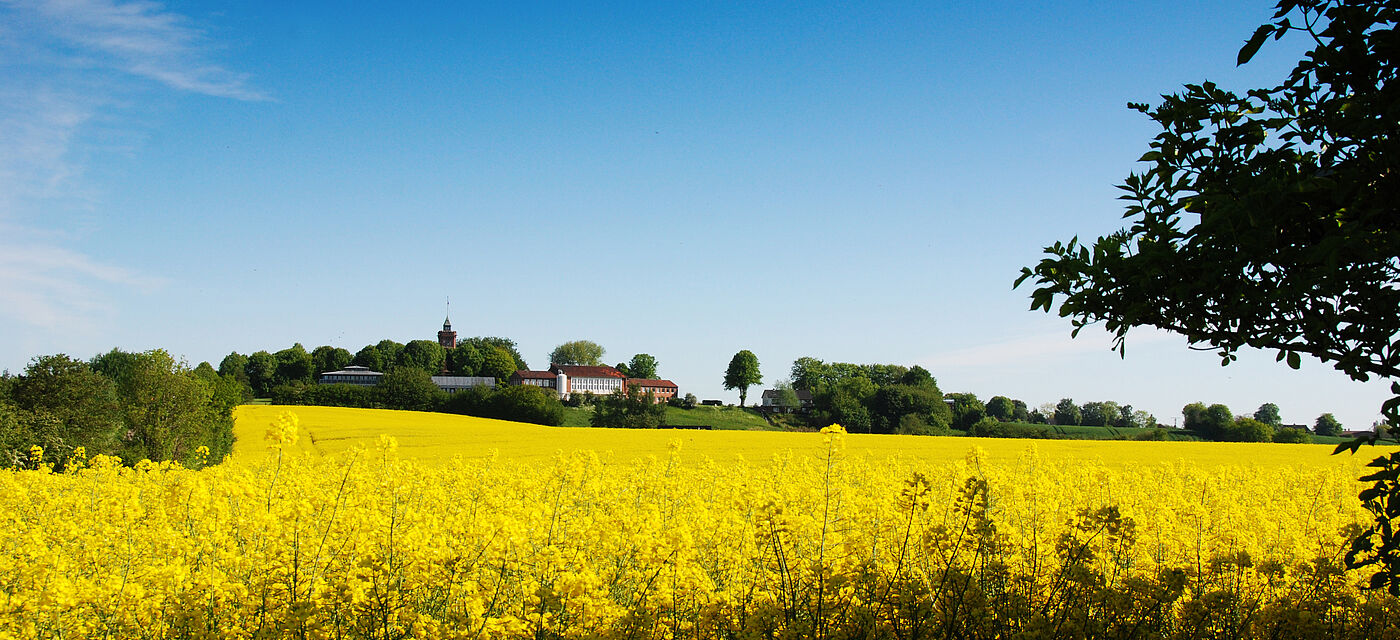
1293 360
1255 41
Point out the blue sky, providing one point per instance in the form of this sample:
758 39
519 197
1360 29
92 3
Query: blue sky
857 183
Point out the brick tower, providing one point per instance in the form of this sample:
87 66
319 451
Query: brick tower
447 337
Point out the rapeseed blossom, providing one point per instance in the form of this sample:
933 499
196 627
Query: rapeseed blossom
819 542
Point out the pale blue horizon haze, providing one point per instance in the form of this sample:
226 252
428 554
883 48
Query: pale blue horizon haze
856 183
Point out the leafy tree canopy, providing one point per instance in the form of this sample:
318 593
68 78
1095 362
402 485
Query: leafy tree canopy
294 365
425 355
410 389
1067 412
465 360
498 364
1327 425
1268 414
642 365
327 358
1274 213
628 411
742 373
370 358
1002 408
262 373
578 352
1269 220
234 365
967 410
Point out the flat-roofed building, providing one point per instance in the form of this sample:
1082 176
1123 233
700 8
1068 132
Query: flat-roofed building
353 374
453 384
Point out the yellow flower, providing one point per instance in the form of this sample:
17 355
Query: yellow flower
283 431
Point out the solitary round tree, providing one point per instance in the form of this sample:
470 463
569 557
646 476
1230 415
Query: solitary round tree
742 372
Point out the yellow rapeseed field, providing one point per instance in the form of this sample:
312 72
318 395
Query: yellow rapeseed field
439 437
333 523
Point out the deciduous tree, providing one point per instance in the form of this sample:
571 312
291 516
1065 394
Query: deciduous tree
642 365
498 364
294 365
1269 220
1067 412
1001 408
370 358
425 355
1268 414
1246 429
170 413
410 389
967 410
742 373
578 352
1097 414
235 365
68 405
262 373
1327 425
465 360
327 358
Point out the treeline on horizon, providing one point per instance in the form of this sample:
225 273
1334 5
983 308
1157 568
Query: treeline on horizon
893 399
264 371
148 405
289 377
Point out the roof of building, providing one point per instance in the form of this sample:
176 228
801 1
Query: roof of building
463 381
576 371
802 394
639 382
534 375
352 370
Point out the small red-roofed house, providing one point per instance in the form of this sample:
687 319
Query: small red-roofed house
546 379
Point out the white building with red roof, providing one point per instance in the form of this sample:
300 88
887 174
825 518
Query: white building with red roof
568 379
599 381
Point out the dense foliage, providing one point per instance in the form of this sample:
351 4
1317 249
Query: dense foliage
264 372
1270 220
523 403
628 411
130 405
578 352
410 389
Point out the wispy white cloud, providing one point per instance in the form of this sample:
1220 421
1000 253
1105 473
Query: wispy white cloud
37 132
140 38
53 287
72 75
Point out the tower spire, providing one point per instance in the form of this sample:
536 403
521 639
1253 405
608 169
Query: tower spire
447 337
